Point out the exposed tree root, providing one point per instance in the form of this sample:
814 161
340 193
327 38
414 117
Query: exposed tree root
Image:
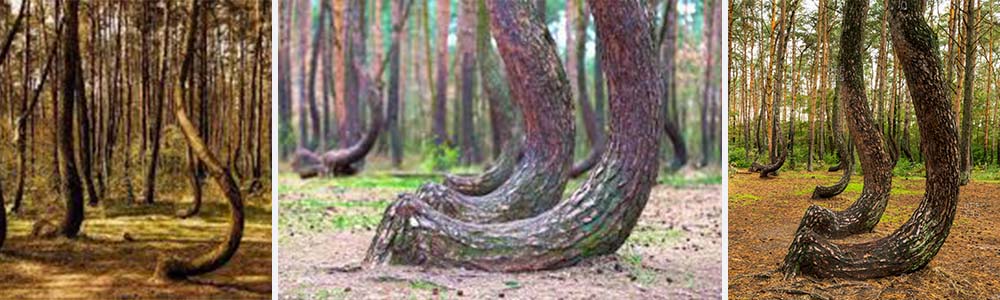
492 178
916 242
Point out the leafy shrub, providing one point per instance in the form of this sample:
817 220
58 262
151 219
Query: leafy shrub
439 158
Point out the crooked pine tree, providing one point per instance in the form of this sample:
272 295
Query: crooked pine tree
846 161
491 179
345 161
173 268
865 212
916 242
600 215
541 90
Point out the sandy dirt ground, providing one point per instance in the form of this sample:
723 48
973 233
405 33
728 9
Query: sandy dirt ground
326 227
764 214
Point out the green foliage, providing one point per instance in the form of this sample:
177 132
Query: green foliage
907 168
682 181
738 157
439 158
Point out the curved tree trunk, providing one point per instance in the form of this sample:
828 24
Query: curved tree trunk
169 267
492 178
542 92
863 214
599 216
72 188
668 57
846 160
917 241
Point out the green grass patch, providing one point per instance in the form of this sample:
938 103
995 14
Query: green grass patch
895 215
317 215
682 181
742 199
633 262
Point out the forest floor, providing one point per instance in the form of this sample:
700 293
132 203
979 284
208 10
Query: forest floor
116 254
764 214
326 226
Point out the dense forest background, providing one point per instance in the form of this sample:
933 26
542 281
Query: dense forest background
135 135
433 125
783 79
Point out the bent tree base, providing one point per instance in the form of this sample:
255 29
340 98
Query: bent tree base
492 178
917 241
598 217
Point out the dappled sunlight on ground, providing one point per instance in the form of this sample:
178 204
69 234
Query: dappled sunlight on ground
116 254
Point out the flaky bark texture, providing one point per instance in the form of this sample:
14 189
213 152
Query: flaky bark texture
492 178
863 214
916 242
170 267
599 216
542 92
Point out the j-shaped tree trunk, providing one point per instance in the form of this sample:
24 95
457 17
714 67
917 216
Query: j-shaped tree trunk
72 188
539 86
597 218
846 160
492 178
595 132
169 267
916 242
668 57
863 214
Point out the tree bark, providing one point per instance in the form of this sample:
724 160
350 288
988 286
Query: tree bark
598 218
496 88
965 146
541 90
440 103
491 179
72 188
668 57
392 110
174 268
155 132
284 81
916 242
470 153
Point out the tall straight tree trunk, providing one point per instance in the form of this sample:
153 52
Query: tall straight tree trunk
916 242
440 104
595 132
393 108
150 191
314 110
72 189
965 146
470 153
414 233
284 81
